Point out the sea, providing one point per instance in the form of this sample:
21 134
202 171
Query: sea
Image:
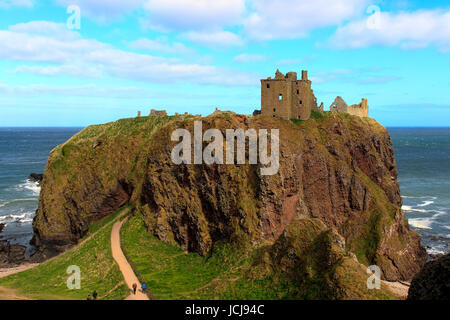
24 151
422 154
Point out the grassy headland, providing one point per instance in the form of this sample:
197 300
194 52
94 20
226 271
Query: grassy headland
98 270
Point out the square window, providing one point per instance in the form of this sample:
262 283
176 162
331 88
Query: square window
280 97
301 102
268 86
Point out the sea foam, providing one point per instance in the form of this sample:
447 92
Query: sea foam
30 186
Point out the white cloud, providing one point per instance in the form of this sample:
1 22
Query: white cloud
5 4
359 76
409 30
248 58
63 70
289 19
88 90
103 10
101 58
24 47
215 39
193 14
46 28
156 69
160 45
333 75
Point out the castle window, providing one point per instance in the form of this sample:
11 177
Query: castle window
274 110
301 102
280 97
298 91
268 86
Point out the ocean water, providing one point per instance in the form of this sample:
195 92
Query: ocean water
23 151
423 160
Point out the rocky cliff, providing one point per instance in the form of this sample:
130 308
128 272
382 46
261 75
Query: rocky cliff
432 282
335 168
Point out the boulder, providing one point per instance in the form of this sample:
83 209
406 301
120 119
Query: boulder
36 177
433 281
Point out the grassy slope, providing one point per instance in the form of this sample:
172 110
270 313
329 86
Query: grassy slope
93 256
227 273
173 274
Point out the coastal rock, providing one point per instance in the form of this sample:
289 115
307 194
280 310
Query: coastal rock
2 226
337 168
36 177
11 253
3 253
433 281
315 259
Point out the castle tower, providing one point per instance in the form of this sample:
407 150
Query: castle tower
286 97
304 75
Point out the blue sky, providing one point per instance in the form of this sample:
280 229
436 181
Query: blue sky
196 55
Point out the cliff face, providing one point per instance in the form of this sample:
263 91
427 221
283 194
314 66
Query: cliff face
335 168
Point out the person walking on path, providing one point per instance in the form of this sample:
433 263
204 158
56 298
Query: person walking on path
94 294
143 287
134 288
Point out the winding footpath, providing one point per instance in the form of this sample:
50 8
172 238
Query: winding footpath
124 266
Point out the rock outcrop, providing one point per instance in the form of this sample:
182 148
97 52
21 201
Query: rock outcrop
433 281
36 177
11 254
335 168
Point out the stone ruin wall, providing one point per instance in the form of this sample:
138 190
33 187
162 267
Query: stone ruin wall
270 103
360 110
297 96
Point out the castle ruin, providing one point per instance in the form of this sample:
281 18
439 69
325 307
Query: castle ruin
360 110
157 113
286 97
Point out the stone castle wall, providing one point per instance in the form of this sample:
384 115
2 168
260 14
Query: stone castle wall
360 110
286 97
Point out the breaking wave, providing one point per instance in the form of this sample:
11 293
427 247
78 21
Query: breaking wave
29 186
26 217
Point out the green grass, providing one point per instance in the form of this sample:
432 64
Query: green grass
98 270
231 272
170 273
97 225
315 115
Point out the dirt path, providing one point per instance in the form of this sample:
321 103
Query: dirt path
10 294
4 272
124 266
